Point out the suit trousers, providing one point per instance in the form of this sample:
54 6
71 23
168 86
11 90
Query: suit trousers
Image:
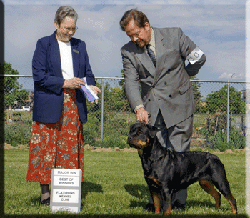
178 138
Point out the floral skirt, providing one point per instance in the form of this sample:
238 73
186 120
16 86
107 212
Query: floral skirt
58 145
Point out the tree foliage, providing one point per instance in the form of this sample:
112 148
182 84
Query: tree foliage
217 101
115 99
197 94
12 89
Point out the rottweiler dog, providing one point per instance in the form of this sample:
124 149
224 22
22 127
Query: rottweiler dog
167 171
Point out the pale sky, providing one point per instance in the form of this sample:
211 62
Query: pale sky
216 26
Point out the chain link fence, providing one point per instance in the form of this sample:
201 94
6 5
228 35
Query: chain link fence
219 120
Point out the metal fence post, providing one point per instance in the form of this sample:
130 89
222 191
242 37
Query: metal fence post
102 111
228 111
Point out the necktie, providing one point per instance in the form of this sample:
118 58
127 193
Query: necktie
151 54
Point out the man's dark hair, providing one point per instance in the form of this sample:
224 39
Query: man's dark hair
139 17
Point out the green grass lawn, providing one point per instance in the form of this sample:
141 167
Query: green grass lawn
114 184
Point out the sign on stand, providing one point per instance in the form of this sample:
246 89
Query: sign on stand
66 190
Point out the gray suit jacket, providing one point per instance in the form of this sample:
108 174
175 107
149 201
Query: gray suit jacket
167 86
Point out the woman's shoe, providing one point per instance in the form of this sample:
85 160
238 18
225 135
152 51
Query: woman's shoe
45 202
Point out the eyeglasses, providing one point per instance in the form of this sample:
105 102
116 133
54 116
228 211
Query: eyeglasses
73 29
136 35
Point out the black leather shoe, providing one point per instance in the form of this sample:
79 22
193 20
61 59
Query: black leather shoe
149 208
45 202
177 206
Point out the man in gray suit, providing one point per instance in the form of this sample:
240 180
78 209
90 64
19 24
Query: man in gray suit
157 82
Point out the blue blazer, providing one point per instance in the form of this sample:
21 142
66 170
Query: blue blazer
48 78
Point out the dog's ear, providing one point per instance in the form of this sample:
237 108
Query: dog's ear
152 131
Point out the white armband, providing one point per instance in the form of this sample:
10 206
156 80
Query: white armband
195 55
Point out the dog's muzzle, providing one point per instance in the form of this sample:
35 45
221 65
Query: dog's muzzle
138 144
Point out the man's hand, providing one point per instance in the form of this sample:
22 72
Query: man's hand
142 115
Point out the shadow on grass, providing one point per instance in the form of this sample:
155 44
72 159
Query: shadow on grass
35 201
206 204
139 191
90 187
200 204
142 193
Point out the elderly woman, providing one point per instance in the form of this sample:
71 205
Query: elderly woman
58 66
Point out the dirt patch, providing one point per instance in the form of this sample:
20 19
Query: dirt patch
86 147
197 142
194 147
116 149
216 151
9 146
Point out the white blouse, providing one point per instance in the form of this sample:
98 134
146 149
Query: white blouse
66 60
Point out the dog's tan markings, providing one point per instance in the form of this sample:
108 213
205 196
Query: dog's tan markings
232 202
141 143
209 188
157 202
138 143
140 151
155 179
168 208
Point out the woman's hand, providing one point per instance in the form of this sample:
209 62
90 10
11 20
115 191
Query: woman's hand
74 83
96 90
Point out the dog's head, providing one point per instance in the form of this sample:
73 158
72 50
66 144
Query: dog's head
140 135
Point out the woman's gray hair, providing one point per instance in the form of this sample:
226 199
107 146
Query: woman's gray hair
63 12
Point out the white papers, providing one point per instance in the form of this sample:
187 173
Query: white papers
88 92
195 55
